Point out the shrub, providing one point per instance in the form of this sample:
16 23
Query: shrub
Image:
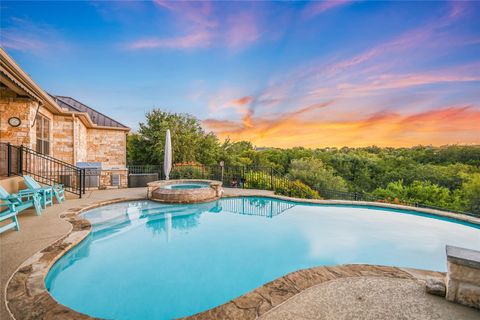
186 172
258 180
297 189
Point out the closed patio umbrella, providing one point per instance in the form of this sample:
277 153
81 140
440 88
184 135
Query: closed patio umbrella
167 159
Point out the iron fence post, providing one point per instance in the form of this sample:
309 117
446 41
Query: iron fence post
83 179
80 183
271 179
20 165
244 178
9 159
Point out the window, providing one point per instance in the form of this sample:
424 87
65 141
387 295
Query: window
43 134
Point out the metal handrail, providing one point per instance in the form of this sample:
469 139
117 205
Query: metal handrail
44 168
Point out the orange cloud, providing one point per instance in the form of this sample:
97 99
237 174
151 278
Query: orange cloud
242 101
441 126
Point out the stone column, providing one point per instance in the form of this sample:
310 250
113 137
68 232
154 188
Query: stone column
463 277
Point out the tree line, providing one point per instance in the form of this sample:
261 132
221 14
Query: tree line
447 176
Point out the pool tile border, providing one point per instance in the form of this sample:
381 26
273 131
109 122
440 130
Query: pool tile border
26 296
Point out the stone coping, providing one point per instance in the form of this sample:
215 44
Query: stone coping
158 191
27 297
163 183
463 256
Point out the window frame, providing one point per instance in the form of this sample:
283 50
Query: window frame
42 126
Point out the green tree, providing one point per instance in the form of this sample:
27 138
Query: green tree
422 192
470 194
189 141
316 174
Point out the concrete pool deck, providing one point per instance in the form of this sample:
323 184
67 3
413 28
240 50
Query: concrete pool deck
369 298
40 232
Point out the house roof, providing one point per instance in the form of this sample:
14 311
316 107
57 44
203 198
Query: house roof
97 117
15 78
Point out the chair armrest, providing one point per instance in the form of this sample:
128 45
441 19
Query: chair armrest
12 196
27 193
30 190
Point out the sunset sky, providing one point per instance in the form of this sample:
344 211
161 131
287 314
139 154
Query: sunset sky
279 74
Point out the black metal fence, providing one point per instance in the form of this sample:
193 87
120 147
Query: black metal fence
363 196
20 160
264 178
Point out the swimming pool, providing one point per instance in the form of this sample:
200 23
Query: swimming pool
186 186
146 260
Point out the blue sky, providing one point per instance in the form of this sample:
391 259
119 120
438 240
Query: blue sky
281 74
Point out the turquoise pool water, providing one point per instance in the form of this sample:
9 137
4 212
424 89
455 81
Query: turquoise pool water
145 260
186 186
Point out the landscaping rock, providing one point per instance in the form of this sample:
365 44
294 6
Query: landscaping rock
436 287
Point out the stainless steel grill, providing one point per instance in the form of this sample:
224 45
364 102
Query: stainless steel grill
92 173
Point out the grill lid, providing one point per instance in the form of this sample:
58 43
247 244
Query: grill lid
89 165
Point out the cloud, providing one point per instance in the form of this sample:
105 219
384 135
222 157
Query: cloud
318 7
401 81
26 36
195 23
430 34
453 124
191 14
242 30
200 24
199 39
242 101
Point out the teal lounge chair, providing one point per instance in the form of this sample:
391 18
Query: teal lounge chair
9 214
47 192
15 204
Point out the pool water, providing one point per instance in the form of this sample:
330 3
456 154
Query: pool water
145 260
186 186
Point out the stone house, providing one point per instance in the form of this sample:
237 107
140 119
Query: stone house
59 127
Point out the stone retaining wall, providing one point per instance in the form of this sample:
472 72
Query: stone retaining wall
158 192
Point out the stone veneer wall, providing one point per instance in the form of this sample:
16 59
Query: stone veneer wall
106 178
108 147
80 141
24 108
70 140
62 142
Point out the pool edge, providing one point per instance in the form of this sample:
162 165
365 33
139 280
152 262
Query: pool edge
27 295
434 212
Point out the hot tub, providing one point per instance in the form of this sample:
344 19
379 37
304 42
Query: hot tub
184 191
